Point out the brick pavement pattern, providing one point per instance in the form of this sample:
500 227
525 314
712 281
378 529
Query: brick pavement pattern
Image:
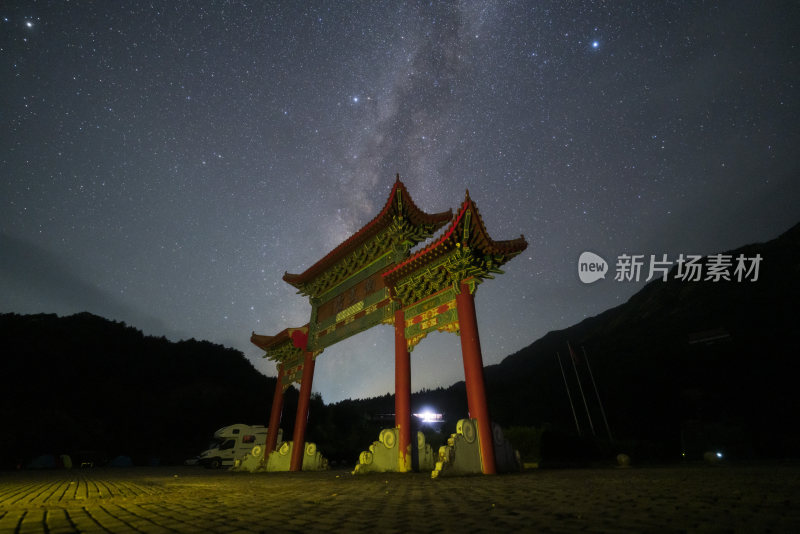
753 498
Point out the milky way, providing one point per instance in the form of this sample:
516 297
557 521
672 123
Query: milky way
164 163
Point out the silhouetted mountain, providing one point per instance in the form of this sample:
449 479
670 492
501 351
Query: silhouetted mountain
90 387
682 365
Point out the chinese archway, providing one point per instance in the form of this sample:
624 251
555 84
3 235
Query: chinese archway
374 278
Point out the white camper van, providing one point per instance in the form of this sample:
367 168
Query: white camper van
234 442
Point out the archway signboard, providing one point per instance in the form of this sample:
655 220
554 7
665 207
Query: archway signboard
373 278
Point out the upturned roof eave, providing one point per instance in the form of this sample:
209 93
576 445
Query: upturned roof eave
267 342
449 240
371 229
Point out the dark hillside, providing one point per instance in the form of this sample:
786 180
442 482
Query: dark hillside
86 386
663 378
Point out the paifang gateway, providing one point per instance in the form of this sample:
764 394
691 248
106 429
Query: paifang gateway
373 278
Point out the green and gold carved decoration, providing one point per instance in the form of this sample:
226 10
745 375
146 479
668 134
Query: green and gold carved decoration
292 371
283 353
464 253
436 313
399 226
287 349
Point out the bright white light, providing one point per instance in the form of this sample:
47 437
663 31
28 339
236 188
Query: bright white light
595 44
429 416
719 454
29 24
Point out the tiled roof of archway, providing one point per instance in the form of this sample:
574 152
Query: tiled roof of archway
452 238
296 335
384 218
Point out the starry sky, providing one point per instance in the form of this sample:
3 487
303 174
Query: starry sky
164 163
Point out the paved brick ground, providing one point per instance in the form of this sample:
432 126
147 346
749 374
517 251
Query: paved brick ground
755 498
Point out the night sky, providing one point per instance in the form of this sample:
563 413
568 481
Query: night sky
164 163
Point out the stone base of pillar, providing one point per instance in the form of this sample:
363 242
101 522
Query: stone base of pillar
462 454
383 456
280 460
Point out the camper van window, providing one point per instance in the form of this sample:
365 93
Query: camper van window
235 431
248 439
228 444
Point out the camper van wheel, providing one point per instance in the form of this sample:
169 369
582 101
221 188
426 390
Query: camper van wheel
214 464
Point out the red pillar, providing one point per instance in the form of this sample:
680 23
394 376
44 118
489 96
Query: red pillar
402 390
274 415
301 419
473 375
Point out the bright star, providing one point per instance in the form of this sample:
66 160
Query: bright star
355 99
29 24
595 44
